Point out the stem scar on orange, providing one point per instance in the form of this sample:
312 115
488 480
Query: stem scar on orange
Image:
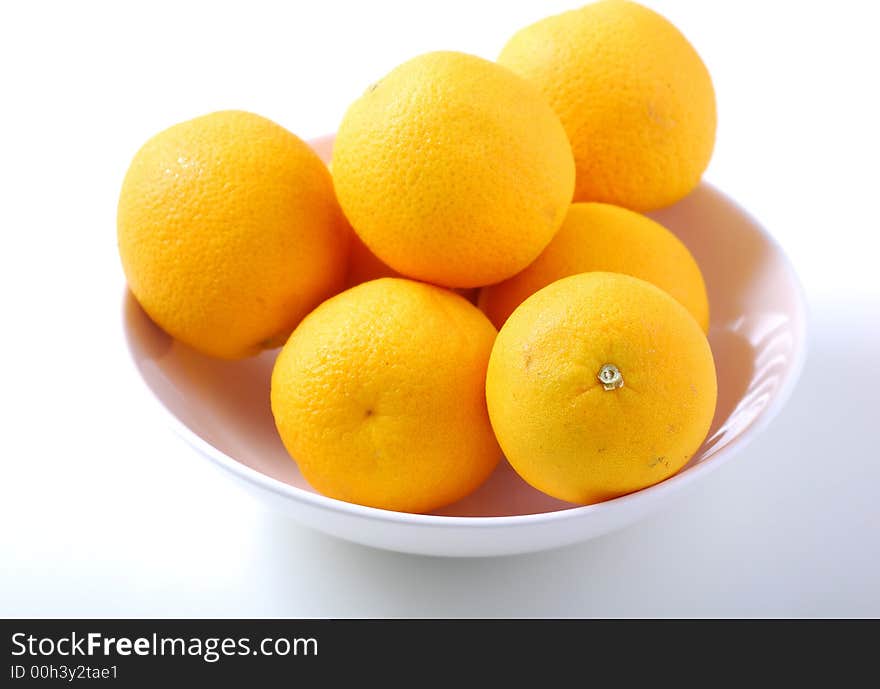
598 385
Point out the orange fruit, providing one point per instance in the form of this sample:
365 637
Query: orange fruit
600 237
229 232
598 385
379 395
636 100
453 170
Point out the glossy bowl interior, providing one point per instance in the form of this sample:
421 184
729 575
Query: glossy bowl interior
757 336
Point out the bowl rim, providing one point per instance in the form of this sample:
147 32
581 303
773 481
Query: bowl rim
666 487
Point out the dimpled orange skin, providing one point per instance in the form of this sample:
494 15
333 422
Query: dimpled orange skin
229 232
379 396
636 100
453 170
560 429
598 236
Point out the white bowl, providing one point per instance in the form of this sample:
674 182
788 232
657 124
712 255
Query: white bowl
757 335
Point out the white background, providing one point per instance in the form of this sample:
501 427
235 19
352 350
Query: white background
103 512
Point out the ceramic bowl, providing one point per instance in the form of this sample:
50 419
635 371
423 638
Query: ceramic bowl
757 335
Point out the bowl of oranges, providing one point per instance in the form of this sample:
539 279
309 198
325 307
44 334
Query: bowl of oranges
497 312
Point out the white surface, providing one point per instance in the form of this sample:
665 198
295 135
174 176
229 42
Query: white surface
105 512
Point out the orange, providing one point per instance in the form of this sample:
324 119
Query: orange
600 384
229 232
379 396
453 170
597 236
636 100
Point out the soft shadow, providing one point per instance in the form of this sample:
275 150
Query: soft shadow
735 365
145 339
226 403
505 493
728 245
